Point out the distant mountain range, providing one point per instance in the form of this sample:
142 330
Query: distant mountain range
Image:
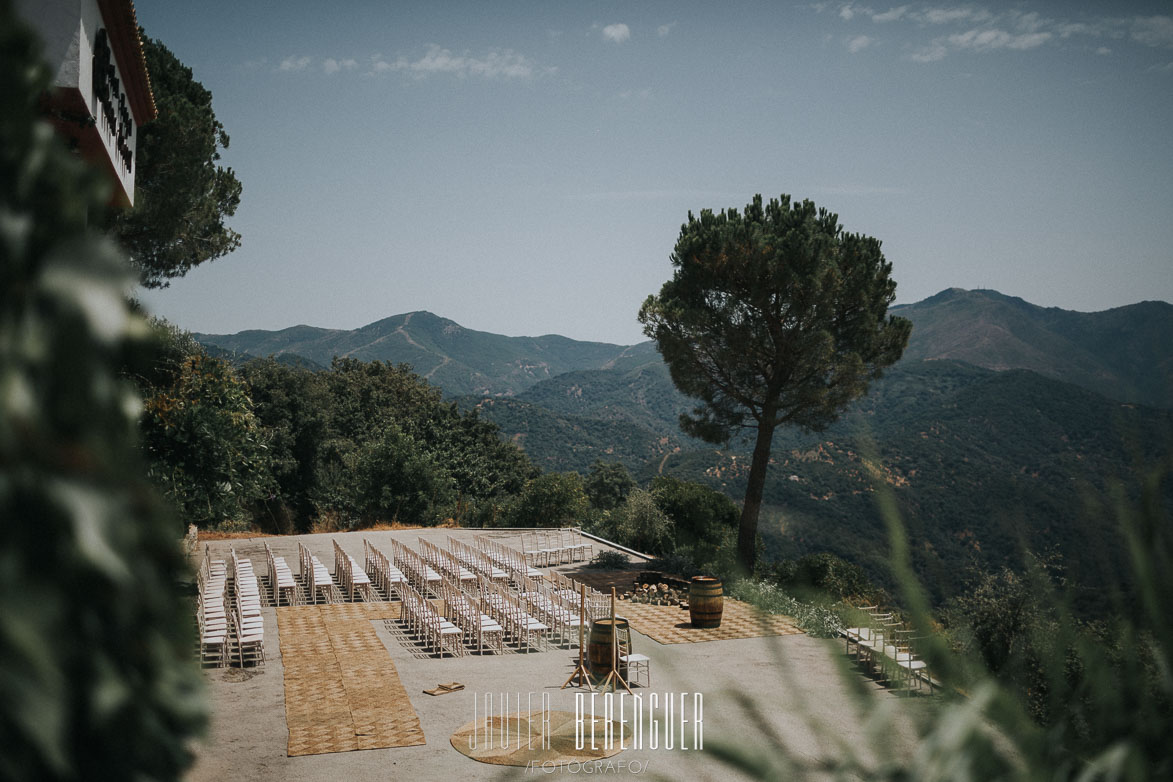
458 360
1006 424
1124 353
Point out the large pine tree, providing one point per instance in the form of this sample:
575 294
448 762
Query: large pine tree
773 316
182 194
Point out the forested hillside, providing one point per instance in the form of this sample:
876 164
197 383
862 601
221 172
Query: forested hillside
556 441
459 360
983 464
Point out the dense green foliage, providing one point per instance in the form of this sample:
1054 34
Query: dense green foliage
1001 619
553 499
397 479
687 527
561 442
207 451
829 575
981 463
367 442
705 521
294 408
773 316
182 196
609 559
284 447
96 680
640 524
608 484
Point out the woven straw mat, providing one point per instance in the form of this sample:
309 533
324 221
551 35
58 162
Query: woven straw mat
670 624
342 691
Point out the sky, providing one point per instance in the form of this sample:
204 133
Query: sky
524 168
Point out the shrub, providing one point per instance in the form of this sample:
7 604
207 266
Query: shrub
608 484
821 621
208 452
641 525
828 574
676 564
704 521
397 480
555 499
610 559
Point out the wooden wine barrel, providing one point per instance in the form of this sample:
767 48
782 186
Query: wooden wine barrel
705 601
599 647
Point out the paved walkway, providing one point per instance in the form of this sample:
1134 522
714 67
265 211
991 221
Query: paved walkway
788 696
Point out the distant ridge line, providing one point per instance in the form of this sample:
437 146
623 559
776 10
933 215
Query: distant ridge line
1124 353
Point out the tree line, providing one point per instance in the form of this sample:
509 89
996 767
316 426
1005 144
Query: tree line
286 449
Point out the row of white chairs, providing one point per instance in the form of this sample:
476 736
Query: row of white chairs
315 578
478 600
384 575
352 580
885 646
447 564
476 560
463 608
424 621
545 548
512 613
211 615
249 636
597 603
508 559
559 611
211 568
420 575
283 587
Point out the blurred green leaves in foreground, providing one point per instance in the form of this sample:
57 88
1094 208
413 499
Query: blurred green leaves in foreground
1029 690
96 677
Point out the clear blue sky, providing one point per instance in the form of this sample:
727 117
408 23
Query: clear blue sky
524 167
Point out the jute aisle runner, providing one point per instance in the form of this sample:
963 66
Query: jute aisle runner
342 691
671 625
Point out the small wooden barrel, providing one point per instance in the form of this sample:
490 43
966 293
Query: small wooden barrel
705 601
599 647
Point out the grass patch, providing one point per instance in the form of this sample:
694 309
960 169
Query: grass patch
817 619
214 534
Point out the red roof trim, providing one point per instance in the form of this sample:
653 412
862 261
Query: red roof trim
122 27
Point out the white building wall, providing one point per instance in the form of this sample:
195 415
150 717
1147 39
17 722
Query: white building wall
91 23
57 23
69 29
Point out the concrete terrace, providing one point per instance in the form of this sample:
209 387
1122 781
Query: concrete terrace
762 694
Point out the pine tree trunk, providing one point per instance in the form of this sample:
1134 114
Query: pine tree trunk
747 534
